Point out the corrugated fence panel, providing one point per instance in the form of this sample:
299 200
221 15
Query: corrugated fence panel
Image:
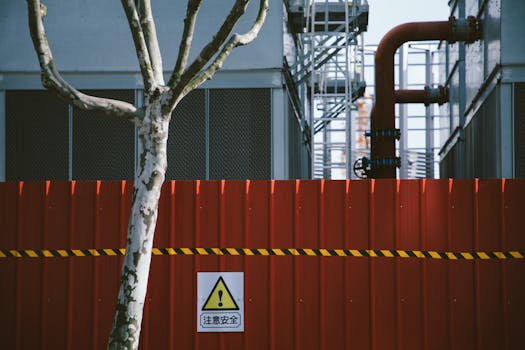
376 301
513 275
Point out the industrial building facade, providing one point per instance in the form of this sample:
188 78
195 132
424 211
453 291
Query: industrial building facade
484 122
238 125
269 113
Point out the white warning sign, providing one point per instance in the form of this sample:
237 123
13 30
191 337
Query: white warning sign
220 301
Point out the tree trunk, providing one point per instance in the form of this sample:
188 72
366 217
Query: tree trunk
153 136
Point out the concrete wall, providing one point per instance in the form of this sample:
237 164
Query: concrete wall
93 35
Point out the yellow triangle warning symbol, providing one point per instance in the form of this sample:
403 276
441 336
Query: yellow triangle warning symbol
220 298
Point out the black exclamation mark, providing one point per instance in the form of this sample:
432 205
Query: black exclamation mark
220 298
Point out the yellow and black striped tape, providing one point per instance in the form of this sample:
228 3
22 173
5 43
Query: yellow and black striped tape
373 253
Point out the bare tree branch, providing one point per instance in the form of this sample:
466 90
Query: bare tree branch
234 41
206 54
185 42
140 44
150 36
52 79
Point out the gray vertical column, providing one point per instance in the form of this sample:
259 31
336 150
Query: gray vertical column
2 136
460 161
506 166
429 120
279 129
403 111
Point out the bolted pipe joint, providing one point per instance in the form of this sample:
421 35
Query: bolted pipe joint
464 29
437 95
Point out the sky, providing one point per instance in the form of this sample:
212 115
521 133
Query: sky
386 14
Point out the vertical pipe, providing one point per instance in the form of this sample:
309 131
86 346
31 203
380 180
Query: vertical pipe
383 113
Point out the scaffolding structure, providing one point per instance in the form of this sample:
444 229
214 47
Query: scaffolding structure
329 75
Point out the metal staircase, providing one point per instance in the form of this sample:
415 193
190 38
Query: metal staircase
329 72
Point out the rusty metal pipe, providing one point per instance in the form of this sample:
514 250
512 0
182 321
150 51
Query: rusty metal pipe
383 149
427 96
410 96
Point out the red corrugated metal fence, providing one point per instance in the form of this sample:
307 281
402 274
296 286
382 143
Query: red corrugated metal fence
291 302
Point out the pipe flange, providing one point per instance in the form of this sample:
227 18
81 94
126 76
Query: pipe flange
395 133
464 29
437 95
385 162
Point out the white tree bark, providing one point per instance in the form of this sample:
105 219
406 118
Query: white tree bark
152 122
153 138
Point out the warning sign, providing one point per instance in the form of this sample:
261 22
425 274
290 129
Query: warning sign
220 302
220 298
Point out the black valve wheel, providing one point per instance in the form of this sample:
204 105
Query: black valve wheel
362 168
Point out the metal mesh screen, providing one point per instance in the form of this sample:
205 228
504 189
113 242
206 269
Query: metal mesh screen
36 136
481 140
240 134
519 130
446 166
187 139
103 146
295 143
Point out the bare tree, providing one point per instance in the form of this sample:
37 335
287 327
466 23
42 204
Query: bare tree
152 121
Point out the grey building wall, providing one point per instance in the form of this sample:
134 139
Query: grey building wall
93 50
93 35
483 78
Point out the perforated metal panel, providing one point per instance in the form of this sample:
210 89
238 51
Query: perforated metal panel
481 140
295 144
240 134
103 146
447 167
519 130
36 136
187 139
